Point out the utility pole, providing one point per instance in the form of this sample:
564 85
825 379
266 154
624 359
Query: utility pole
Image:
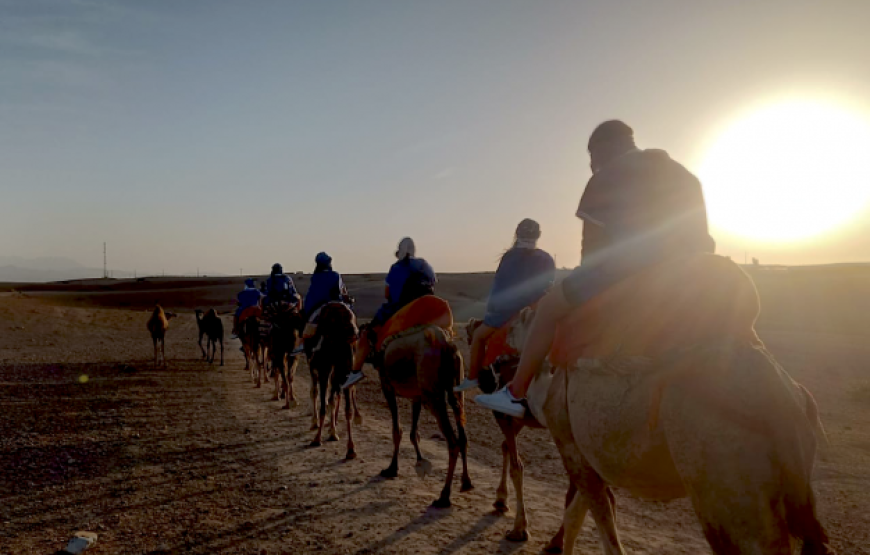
105 271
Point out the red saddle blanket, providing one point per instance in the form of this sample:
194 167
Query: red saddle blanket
676 304
425 310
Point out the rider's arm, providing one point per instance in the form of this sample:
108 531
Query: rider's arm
553 307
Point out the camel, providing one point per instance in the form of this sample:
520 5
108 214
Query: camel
330 361
286 322
157 325
253 346
492 378
423 364
673 395
211 326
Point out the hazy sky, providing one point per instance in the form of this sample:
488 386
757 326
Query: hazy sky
227 135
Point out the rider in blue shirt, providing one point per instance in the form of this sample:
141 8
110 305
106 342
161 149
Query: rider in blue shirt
248 297
280 287
326 285
409 279
524 275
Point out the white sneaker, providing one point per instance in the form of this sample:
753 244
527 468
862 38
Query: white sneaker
353 378
502 401
465 385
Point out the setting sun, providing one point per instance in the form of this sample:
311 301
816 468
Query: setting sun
788 171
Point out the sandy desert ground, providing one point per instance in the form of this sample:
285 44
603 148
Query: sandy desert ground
193 459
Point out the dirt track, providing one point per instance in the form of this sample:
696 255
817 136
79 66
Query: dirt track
194 459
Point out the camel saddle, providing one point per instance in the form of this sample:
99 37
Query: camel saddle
425 311
682 303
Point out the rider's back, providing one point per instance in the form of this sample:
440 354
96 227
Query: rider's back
410 279
646 204
325 286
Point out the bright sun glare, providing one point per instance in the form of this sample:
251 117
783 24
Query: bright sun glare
789 171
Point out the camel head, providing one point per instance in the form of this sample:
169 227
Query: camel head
519 329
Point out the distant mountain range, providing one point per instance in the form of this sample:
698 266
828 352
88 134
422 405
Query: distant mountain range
49 268
18 269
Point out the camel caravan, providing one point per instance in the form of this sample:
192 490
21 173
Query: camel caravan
643 364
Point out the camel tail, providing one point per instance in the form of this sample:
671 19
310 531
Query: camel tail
812 411
451 370
800 500
803 522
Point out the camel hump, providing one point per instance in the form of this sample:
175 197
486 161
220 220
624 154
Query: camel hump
426 310
679 303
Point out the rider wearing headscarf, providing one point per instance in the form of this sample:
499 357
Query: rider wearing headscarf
247 298
409 279
326 285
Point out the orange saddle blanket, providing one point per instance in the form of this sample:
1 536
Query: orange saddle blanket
679 303
250 312
498 345
425 310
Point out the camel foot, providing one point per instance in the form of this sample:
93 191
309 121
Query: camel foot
554 548
292 404
441 503
358 420
314 426
517 536
466 485
287 407
390 472
256 386
315 443
423 468
282 395
351 455
333 437
501 507
275 397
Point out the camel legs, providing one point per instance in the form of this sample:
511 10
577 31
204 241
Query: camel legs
393 470
416 407
154 340
357 415
222 350
423 466
438 406
457 403
501 493
313 392
520 531
334 410
348 415
163 351
289 391
204 354
557 543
